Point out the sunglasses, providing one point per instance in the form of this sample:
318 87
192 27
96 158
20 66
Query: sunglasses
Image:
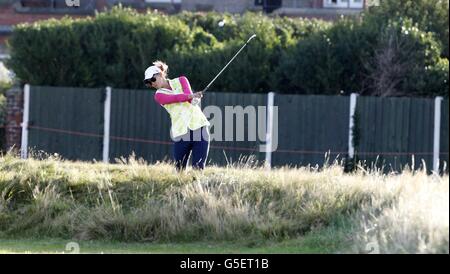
151 80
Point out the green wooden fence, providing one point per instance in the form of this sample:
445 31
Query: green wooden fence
395 129
70 122
139 126
309 127
67 121
227 152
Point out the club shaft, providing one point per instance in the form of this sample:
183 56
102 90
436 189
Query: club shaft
226 65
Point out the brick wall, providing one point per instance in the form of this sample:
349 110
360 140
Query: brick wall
232 6
303 3
240 6
14 112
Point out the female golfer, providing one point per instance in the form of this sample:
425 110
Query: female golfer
189 125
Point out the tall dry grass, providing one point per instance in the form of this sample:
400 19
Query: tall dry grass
418 222
134 201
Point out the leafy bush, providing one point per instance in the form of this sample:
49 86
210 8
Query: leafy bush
429 15
406 61
112 49
209 22
288 56
328 61
115 47
4 86
398 59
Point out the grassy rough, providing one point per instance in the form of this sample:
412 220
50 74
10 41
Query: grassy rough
133 201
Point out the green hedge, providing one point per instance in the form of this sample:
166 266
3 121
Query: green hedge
115 47
354 56
289 55
429 15
4 86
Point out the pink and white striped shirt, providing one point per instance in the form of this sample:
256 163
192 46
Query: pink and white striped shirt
163 99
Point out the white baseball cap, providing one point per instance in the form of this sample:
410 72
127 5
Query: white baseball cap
150 71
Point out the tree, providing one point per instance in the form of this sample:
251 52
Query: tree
429 15
405 62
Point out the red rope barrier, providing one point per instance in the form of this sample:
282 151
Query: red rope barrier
120 138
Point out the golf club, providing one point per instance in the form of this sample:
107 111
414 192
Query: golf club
195 100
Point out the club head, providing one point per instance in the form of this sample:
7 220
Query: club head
251 37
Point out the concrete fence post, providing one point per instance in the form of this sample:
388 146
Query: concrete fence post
106 125
269 128
25 120
437 133
351 123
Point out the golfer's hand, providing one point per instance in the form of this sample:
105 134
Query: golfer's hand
197 95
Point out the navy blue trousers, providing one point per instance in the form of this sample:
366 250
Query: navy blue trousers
197 142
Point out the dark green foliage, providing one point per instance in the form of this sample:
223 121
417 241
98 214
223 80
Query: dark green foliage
429 15
288 56
4 86
115 47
